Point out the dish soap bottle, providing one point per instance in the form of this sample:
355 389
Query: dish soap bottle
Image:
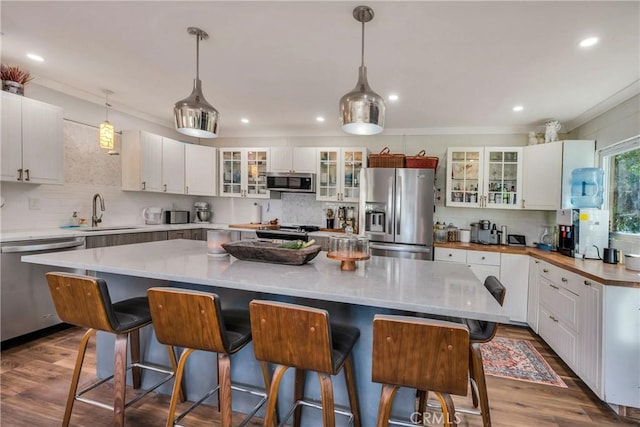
75 220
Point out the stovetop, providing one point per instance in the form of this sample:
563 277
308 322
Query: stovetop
300 228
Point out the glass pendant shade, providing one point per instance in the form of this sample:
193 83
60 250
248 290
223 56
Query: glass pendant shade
362 110
194 116
107 135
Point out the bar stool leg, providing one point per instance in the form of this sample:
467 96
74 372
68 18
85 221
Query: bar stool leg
224 390
174 367
267 382
76 376
175 394
384 408
119 378
448 409
478 369
272 400
351 390
423 396
136 371
326 391
298 394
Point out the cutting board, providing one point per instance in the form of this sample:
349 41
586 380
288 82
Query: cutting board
255 226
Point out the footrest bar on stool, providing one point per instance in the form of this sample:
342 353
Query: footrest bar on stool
90 387
340 410
437 406
255 391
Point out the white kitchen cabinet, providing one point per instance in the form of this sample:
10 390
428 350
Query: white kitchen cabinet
532 300
173 166
484 264
200 170
141 161
547 172
514 275
450 255
32 141
339 173
243 172
488 177
590 335
292 159
622 346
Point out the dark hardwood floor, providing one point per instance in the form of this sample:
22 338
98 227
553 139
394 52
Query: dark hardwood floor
34 381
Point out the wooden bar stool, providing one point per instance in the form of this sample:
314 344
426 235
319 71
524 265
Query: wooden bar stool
195 320
480 331
302 338
84 301
424 354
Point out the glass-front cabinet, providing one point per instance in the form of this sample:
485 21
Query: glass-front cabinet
243 172
339 173
484 177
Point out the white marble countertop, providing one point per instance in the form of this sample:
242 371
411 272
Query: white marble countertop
419 286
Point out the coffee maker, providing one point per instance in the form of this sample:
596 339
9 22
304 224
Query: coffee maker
202 212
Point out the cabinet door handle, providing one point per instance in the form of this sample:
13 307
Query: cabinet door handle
165 188
537 262
544 270
587 283
186 189
522 203
554 286
19 174
450 254
482 258
564 279
144 185
26 175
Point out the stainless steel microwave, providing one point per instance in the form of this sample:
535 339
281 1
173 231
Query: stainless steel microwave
291 181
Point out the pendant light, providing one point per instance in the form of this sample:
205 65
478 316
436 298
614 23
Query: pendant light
106 135
362 110
194 116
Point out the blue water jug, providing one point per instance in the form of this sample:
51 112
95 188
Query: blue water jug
586 187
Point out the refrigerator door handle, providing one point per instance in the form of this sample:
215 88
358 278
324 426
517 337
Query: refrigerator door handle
398 203
390 201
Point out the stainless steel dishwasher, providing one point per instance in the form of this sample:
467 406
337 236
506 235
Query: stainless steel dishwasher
26 304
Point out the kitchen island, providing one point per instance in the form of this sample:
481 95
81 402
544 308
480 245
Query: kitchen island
380 285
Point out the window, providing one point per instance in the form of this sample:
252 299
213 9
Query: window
621 163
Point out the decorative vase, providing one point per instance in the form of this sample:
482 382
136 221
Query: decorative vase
13 87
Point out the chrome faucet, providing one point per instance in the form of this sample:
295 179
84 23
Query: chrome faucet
95 219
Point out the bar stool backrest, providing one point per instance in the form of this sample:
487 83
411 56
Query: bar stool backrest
187 318
82 301
291 335
420 353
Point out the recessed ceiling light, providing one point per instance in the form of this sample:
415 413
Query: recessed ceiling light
590 41
35 57
320 119
393 97
518 108
244 120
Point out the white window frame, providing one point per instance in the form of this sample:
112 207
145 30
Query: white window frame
603 159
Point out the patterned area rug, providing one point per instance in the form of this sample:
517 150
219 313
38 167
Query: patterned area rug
518 360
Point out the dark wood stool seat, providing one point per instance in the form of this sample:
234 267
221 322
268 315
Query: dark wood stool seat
84 301
295 336
420 353
196 321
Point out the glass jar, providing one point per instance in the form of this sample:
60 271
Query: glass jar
441 233
452 233
349 246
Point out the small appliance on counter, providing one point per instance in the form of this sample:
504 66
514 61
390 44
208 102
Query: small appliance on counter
152 215
583 233
176 217
610 256
203 214
486 234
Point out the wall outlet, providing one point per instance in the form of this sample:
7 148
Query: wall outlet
34 203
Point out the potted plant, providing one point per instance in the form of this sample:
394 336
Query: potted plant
14 79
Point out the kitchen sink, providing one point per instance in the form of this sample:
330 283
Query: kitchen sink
123 227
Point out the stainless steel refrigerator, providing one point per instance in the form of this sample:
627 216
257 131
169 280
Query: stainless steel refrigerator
396 211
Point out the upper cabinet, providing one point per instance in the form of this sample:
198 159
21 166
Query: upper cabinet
243 172
547 172
159 164
293 159
488 177
339 173
32 142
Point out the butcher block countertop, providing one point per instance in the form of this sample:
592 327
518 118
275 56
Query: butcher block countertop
607 274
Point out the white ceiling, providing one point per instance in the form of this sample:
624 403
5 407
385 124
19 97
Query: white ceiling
456 66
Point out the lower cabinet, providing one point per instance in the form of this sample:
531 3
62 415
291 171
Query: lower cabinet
511 269
532 299
189 234
590 336
124 239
